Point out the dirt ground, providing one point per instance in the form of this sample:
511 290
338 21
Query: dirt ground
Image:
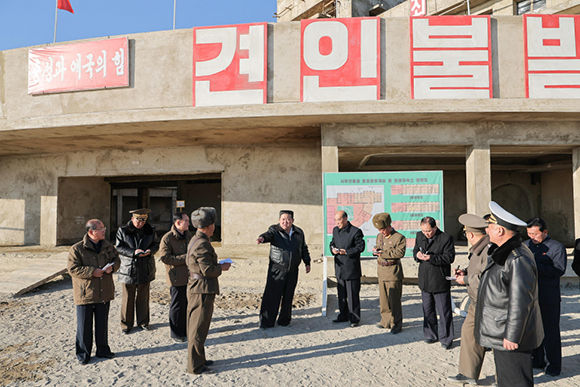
37 340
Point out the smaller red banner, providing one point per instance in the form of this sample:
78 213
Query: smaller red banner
84 66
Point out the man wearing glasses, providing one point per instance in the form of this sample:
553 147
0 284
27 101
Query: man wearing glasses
91 263
137 244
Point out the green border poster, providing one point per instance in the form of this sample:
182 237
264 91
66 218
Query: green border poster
407 196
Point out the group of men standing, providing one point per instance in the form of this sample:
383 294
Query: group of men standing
514 286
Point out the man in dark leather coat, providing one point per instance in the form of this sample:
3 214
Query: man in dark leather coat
137 244
435 252
287 249
346 245
507 316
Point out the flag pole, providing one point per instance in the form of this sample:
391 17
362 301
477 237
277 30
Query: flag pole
174 5
55 19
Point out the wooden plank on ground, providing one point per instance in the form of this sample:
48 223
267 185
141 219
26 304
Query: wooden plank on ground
37 273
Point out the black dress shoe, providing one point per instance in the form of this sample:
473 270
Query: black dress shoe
430 341
395 331
182 339
208 362
126 331
107 356
145 327
336 320
448 347
84 361
204 370
552 372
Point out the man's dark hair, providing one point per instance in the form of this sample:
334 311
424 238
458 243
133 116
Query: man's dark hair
93 224
429 220
344 215
537 222
288 212
178 216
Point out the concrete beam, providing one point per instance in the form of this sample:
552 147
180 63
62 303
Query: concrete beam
478 179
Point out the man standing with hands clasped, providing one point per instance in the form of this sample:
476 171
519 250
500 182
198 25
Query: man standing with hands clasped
435 252
346 245
471 354
91 263
550 259
507 317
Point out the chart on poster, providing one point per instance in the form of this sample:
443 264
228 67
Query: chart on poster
407 196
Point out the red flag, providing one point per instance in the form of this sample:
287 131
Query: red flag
65 5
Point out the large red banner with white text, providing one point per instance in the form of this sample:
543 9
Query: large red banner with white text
552 56
340 60
451 57
82 66
230 65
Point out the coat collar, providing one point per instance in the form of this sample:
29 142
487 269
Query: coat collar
500 254
88 244
481 244
133 230
177 234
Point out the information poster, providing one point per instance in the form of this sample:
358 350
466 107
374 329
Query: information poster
407 196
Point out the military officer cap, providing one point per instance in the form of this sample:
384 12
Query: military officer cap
203 217
382 220
503 218
140 213
473 223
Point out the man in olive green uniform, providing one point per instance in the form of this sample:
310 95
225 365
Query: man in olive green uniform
389 250
173 249
471 354
202 287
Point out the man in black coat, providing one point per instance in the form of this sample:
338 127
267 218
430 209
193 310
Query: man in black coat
435 252
137 244
346 245
287 249
550 257
507 316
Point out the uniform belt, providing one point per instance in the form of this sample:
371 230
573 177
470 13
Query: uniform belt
388 263
196 276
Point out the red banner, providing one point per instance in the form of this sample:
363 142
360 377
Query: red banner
451 57
230 65
83 66
340 60
552 56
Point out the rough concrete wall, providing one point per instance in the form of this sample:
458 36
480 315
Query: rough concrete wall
516 193
81 199
285 41
258 182
454 197
557 205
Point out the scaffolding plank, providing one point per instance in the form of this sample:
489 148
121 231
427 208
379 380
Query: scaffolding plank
35 274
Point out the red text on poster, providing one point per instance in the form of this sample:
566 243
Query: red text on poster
230 64
340 60
451 57
81 66
552 56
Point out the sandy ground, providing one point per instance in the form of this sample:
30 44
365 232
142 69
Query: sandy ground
37 340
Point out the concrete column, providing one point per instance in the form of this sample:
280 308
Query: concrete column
576 189
478 179
329 150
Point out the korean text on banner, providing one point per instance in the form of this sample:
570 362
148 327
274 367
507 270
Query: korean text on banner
230 65
340 60
83 66
552 56
451 57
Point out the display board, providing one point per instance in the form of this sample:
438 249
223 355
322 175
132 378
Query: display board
407 196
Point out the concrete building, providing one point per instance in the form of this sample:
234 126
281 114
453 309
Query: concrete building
294 10
69 157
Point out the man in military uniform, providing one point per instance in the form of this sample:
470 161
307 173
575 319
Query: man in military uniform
346 245
91 263
390 248
137 244
471 354
203 285
507 316
173 250
550 257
